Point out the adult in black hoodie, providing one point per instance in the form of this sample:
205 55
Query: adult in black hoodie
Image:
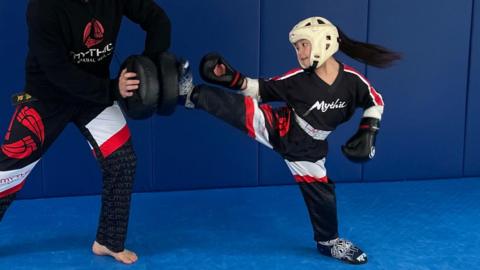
71 44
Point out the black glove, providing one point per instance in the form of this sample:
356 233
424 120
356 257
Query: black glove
231 79
361 147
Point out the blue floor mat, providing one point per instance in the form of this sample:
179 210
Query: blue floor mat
401 225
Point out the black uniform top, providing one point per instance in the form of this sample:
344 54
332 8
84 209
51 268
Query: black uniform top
71 45
323 106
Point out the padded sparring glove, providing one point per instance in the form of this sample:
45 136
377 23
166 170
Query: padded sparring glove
231 79
361 147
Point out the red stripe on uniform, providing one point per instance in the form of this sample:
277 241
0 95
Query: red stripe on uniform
289 73
235 79
12 190
310 179
115 142
267 111
249 112
377 98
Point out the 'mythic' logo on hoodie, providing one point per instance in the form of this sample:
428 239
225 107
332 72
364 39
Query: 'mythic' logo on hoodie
93 35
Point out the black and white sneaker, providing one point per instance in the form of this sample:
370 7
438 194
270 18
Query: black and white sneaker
185 83
343 250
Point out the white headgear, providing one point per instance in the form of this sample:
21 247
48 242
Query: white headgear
323 36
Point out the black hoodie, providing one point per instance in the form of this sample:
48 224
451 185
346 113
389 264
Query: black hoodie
71 45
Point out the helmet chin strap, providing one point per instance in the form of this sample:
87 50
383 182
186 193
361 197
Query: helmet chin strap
311 68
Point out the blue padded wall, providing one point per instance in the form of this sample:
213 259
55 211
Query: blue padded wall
423 129
192 149
472 145
431 123
70 167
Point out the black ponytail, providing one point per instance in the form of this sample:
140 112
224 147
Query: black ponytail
370 54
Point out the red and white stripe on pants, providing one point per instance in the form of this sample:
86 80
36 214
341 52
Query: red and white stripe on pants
12 181
255 122
302 171
308 172
109 130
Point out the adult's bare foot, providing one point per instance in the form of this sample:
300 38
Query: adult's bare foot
126 256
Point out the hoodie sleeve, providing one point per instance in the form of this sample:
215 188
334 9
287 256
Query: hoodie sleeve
45 41
154 21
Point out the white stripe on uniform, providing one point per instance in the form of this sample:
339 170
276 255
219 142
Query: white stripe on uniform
13 178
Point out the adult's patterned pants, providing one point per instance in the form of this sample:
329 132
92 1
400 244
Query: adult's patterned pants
35 126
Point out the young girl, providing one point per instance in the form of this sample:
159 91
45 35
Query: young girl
319 97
